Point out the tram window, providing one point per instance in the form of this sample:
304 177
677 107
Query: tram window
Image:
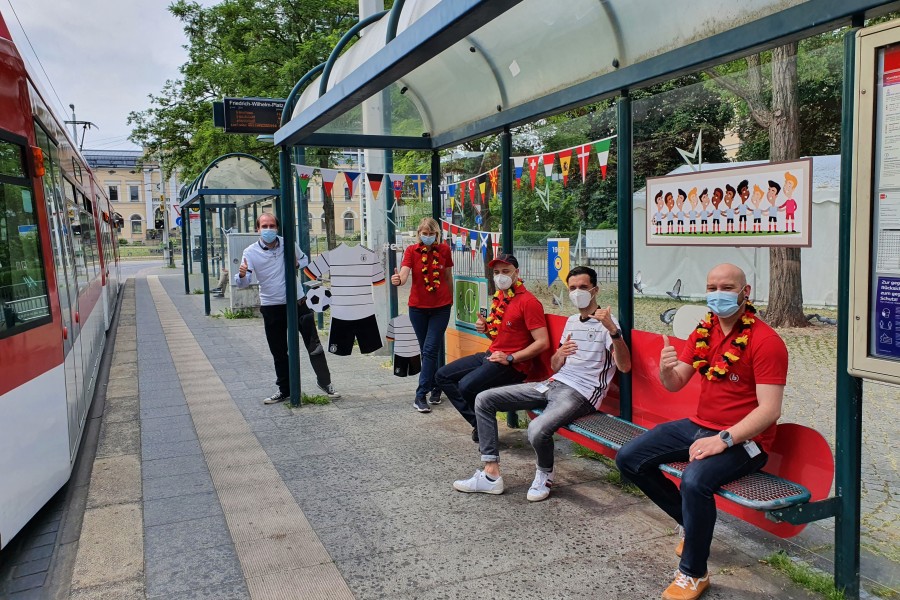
23 291
88 243
74 213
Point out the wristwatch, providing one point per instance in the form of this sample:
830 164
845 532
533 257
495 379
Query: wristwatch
726 437
510 359
616 335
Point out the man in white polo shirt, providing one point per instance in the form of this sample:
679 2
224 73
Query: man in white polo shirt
590 350
263 262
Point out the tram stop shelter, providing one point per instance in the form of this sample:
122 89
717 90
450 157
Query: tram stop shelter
428 75
227 197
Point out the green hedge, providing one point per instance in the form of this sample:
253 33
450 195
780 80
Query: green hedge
539 238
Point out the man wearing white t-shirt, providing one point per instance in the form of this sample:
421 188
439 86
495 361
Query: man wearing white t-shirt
590 350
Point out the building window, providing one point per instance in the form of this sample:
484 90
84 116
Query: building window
136 224
134 193
113 193
322 221
348 222
347 197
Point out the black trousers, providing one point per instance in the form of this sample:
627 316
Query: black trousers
275 321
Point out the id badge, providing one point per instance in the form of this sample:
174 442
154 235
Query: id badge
751 448
542 387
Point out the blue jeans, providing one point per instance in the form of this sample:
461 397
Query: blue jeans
466 377
693 507
429 325
561 405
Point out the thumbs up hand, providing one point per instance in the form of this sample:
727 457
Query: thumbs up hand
568 347
395 278
668 358
242 271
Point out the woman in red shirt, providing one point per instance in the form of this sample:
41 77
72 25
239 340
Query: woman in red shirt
430 301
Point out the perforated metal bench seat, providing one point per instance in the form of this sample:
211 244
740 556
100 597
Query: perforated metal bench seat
759 491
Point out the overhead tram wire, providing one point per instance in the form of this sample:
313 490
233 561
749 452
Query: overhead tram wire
38 58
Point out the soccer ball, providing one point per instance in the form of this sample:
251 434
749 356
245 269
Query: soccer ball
319 299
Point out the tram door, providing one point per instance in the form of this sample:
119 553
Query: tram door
78 284
67 289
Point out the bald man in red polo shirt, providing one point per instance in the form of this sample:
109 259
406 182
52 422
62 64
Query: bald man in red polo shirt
518 332
743 369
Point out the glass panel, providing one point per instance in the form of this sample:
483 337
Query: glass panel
23 289
73 211
134 194
113 193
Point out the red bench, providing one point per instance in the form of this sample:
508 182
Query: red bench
800 467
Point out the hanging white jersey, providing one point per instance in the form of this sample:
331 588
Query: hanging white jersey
401 332
354 270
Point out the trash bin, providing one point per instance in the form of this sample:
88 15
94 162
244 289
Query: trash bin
195 254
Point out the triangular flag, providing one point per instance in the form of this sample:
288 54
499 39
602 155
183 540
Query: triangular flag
584 160
485 238
565 160
548 163
602 150
328 176
350 176
398 180
471 192
304 173
473 243
495 241
418 182
446 227
494 175
532 162
518 162
482 185
451 191
375 180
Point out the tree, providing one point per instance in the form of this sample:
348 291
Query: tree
777 111
235 48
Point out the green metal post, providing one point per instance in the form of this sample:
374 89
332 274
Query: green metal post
185 251
506 197
436 208
187 225
506 219
625 178
848 443
391 235
299 157
288 231
204 266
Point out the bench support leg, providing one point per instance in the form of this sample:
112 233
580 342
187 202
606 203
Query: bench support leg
801 514
512 419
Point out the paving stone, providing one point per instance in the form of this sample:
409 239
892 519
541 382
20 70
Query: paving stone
168 436
115 480
179 465
183 536
119 438
169 486
125 590
180 508
234 590
173 574
111 548
119 410
169 450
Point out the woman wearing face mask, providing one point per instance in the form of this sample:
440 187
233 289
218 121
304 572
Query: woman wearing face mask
430 300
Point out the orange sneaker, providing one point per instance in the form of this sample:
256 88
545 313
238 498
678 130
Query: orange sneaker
680 547
686 588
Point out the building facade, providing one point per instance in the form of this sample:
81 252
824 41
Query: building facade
137 191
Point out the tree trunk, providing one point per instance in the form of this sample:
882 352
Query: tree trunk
785 283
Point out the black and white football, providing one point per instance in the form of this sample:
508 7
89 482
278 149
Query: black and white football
319 299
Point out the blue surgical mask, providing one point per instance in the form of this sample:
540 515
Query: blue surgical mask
428 239
722 304
268 235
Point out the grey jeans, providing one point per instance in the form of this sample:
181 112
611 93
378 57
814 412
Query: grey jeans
561 405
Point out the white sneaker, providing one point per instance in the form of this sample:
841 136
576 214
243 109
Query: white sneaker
479 483
540 487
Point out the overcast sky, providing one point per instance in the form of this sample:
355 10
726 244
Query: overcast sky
103 56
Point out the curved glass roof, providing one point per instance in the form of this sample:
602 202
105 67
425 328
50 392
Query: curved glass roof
237 173
500 59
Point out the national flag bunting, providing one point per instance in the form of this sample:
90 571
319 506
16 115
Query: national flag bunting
328 176
351 176
532 162
602 150
375 180
565 160
518 162
584 160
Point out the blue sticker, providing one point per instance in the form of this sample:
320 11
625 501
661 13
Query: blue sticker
887 318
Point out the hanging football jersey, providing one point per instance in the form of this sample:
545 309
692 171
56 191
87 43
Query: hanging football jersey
407 356
354 270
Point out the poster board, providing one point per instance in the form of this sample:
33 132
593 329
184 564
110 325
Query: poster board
768 204
875 251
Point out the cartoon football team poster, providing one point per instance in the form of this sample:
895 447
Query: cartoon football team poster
760 205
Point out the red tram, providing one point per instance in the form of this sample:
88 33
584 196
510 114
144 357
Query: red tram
59 282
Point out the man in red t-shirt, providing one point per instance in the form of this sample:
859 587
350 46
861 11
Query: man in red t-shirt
743 369
519 332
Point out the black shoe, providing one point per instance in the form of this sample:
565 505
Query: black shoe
435 398
276 398
420 405
317 350
475 435
329 390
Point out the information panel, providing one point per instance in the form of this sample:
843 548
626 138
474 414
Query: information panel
875 266
252 115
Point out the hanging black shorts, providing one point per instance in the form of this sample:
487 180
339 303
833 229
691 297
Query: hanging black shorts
407 365
344 333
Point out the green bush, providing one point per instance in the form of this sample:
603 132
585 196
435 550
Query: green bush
123 242
539 238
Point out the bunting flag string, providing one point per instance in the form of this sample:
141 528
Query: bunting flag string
375 180
584 159
549 159
328 177
532 168
304 173
565 159
602 150
518 163
418 182
494 175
